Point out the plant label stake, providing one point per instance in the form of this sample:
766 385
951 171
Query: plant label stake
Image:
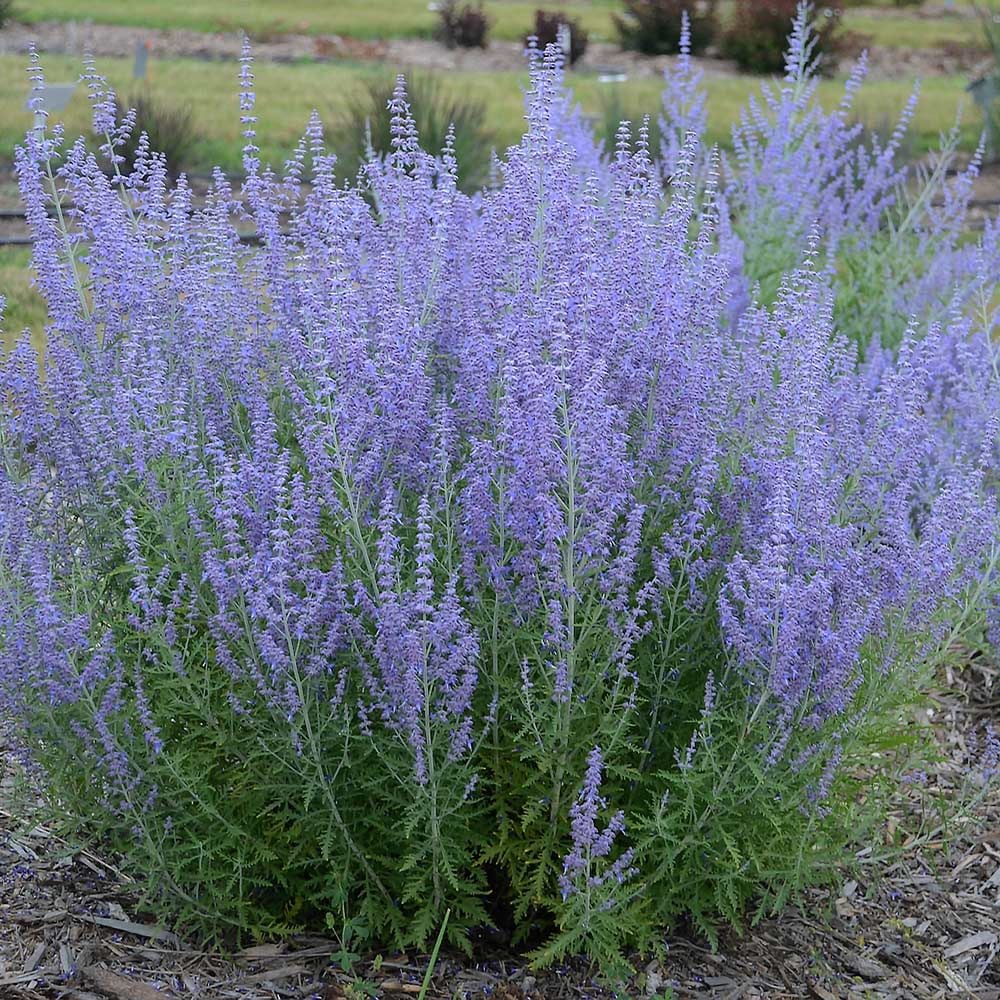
54 97
140 64
564 39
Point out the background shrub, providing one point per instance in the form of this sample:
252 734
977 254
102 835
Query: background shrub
758 31
546 30
365 127
620 121
565 550
462 25
988 12
654 26
169 130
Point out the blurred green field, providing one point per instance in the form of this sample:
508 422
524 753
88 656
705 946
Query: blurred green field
287 93
412 18
25 308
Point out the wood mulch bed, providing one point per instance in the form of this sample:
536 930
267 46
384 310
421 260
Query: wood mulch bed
926 925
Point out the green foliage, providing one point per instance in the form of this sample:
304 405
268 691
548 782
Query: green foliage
654 26
462 25
257 830
170 128
870 270
365 127
768 252
265 835
872 273
734 838
546 31
614 112
729 825
253 841
424 986
988 12
757 37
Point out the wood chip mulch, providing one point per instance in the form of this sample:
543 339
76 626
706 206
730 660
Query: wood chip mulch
925 925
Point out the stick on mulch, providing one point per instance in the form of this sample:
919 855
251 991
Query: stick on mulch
119 988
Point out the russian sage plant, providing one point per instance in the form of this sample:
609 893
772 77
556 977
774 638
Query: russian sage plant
562 553
891 239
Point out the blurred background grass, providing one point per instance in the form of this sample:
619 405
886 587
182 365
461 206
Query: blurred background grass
25 308
288 92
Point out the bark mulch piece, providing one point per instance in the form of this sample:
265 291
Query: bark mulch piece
925 926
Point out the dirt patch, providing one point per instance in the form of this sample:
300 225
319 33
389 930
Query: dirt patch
925 12
123 41
946 59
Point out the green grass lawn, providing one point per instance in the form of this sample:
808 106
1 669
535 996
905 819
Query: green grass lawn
287 92
25 308
914 32
407 18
